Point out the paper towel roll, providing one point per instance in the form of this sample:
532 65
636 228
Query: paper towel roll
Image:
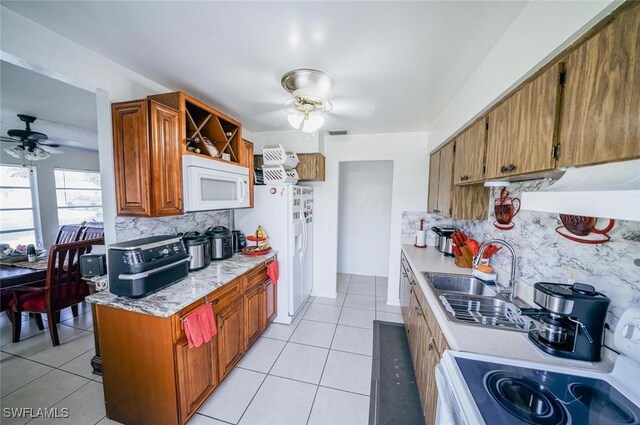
421 238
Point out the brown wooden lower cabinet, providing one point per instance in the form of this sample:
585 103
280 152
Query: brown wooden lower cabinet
231 338
426 343
198 370
150 374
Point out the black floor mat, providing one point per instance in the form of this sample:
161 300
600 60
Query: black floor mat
394 393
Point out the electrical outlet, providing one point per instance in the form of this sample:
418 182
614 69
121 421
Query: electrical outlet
573 275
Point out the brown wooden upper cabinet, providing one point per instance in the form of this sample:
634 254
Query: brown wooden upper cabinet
601 107
470 153
246 159
522 133
146 145
441 181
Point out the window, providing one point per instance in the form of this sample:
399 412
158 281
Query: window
79 196
17 222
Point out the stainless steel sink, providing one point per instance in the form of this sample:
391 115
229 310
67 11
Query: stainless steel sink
459 284
485 311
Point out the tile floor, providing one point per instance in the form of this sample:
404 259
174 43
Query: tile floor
315 371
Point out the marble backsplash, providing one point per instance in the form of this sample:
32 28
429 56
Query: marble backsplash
543 255
128 228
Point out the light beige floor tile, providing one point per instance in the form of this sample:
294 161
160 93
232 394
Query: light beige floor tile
300 362
318 334
357 317
85 406
28 329
337 301
32 345
42 393
280 331
358 278
342 287
339 408
360 301
81 365
280 401
68 349
382 306
353 340
343 277
347 371
362 289
84 321
323 313
383 281
19 373
389 317
6 359
199 419
262 355
229 401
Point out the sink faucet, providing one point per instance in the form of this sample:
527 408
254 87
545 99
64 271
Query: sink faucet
510 292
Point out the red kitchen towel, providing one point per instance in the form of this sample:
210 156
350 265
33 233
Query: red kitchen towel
200 326
273 271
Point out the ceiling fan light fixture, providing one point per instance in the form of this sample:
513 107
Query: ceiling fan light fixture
15 152
312 123
295 119
36 154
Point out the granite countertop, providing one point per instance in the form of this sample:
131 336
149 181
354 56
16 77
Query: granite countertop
174 298
476 339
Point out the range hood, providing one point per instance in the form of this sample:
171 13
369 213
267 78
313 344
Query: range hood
605 191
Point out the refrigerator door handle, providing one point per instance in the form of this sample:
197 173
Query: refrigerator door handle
304 233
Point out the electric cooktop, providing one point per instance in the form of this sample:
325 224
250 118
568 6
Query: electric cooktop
507 394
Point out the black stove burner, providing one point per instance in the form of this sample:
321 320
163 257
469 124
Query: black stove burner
600 405
525 399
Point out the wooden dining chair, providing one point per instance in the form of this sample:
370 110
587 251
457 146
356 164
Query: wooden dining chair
64 288
90 232
68 233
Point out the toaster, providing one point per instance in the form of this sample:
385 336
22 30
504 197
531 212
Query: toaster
93 264
142 266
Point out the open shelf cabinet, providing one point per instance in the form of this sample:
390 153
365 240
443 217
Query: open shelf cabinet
204 128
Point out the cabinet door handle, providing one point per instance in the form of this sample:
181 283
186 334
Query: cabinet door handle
418 311
215 302
503 169
431 345
511 167
221 322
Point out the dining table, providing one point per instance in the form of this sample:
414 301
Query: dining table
20 273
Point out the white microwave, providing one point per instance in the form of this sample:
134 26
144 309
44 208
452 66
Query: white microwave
209 184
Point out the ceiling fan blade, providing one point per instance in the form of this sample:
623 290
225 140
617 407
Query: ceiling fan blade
51 148
351 108
9 139
46 142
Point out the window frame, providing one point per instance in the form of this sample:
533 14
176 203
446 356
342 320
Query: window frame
35 210
76 170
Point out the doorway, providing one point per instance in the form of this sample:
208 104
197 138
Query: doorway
364 217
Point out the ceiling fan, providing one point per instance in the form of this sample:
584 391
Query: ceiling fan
31 145
309 89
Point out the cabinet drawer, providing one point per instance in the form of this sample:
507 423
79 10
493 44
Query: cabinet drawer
218 299
255 277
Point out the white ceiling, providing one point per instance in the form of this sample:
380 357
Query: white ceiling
62 110
395 64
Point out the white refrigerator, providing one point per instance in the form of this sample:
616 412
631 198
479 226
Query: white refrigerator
286 214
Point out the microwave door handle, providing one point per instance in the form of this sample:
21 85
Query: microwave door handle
242 189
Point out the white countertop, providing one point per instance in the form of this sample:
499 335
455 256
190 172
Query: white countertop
476 339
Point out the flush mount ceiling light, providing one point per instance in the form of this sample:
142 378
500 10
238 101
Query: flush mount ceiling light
309 89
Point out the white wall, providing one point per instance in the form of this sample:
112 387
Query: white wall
46 186
408 151
293 140
541 31
23 42
364 217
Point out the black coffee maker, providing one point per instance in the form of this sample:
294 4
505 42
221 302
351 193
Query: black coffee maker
571 320
239 241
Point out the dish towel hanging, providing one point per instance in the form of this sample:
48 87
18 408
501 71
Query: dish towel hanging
200 326
273 271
